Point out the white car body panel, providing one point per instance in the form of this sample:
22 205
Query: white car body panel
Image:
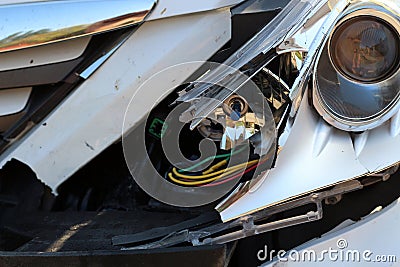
375 233
42 55
91 118
13 100
383 145
171 8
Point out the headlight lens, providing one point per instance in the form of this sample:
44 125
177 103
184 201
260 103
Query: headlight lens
357 79
365 49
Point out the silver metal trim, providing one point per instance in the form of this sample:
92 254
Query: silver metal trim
85 74
33 24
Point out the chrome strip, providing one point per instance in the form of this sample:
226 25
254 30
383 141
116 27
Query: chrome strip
33 24
85 74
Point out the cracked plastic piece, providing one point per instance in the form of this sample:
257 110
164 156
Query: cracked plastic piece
250 59
209 235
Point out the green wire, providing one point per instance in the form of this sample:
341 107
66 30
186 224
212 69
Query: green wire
227 156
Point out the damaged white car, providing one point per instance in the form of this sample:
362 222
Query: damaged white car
215 132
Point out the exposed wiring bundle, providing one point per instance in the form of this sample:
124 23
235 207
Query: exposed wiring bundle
215 174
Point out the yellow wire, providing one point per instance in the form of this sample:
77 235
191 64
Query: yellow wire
215 167
208 180
195 177
195 182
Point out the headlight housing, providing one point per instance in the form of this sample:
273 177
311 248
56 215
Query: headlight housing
357 79
364 49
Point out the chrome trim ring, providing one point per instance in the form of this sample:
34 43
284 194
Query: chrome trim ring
356 124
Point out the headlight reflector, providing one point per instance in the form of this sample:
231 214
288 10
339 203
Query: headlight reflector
365 49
